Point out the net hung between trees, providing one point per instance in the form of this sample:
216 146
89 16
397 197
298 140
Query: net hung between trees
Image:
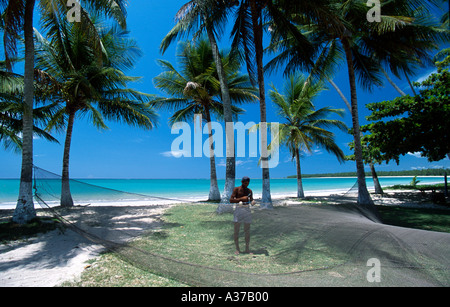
292 244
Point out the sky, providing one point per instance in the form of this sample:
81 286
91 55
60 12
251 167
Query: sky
128 152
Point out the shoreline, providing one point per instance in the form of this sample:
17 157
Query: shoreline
167 201
191 198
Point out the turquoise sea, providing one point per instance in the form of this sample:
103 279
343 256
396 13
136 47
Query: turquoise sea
185 189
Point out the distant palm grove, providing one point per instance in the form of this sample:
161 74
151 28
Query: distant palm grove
80 69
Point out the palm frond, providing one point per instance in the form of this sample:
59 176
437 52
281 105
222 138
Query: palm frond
195 86
243 39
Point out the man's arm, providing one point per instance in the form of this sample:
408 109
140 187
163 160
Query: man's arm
251 201
235 200
251 196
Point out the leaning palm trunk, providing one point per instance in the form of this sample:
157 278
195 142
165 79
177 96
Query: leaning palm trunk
66 196
392 82
25 211
338 90
214 194
376 182
363 194
300 192
230 172
266 201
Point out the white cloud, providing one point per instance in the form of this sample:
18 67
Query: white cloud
419 79
223 162
35 137
415 154
418 168
425 76
175 154
314 152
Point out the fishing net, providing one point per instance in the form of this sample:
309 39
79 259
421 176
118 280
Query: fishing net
295 244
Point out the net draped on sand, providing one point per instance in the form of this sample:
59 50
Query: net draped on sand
292 244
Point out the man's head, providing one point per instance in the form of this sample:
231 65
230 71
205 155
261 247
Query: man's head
245 181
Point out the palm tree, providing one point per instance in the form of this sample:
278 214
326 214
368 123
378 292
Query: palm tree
251 18
196 90
83 85
210 16
304 126
367 48
17 18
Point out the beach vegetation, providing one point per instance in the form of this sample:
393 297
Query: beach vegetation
194 89
303 127
413 186
417 218
17 21
251 19
367 48
210 16
87 83
414 181
10 231
371 156
414 124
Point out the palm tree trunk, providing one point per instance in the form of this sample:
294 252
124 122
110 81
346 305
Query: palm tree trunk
338 90
363 194
66 196
214 193
392 82
410 84
300 192
378 189
376 182
230 172
266 201
25 211
445 184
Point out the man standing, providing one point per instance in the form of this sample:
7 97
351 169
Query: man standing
243 197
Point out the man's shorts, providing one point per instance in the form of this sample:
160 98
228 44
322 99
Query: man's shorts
242 214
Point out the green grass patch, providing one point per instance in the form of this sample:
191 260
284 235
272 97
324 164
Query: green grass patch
437 187
195 234
10 231
111 271
418 218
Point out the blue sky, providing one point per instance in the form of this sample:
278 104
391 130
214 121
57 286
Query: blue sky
126 152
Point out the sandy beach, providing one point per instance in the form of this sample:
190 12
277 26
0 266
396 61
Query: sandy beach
57 256
61 255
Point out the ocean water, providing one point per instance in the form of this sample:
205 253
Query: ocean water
184 189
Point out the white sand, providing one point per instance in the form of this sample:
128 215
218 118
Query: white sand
55 257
